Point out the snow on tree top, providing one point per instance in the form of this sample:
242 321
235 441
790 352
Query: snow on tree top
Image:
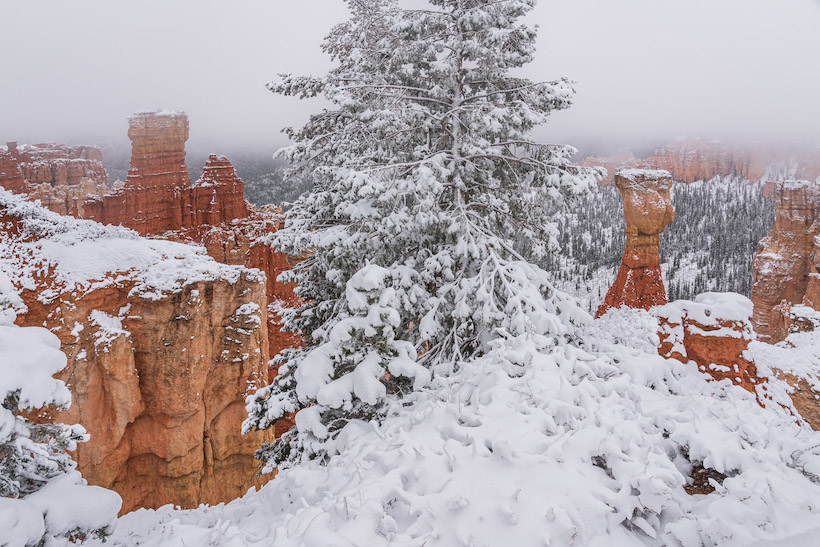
82 254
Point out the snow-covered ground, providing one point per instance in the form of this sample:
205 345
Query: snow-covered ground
542 444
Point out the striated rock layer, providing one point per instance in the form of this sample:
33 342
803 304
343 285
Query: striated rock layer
163 344
160 363
714 331
60 176
786 263
647 210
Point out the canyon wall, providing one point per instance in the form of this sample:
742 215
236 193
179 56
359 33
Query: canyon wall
163 344
692 160
163 340
647 211
60 176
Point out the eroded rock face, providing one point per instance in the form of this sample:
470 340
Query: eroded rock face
60 176
714 331
158 195
248 242
163 344
647 210
786 259
691 161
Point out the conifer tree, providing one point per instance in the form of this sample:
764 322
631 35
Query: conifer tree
431 198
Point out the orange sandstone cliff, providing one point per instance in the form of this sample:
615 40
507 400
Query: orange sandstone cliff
60 176
647 210
163 343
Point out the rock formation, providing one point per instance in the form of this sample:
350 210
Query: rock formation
159 199
786 264
691 161
163 343
11 176
647 210
158 195
714 331
700 159
60 176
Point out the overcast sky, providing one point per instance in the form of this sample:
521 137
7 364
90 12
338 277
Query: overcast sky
647 70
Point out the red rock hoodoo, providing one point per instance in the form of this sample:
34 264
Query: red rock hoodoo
786 264
647 210
158 195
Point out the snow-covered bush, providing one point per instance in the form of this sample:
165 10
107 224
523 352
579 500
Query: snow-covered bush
349 375
542 444
425 168
42 497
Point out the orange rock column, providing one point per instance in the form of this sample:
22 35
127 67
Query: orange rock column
784 261
647 210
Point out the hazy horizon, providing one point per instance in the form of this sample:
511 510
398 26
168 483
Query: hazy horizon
647 71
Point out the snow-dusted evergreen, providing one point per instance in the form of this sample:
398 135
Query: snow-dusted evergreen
43 499
424 168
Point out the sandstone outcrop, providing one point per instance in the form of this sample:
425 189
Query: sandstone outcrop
647 210
159 199
60 176
163 343
714 331
694 160
786 263
158 195
159 363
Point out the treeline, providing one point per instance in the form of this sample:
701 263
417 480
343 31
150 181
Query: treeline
709 247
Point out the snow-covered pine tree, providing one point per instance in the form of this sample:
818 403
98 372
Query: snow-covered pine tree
32 452
425 168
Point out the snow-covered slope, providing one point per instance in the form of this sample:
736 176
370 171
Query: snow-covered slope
82 255
539 444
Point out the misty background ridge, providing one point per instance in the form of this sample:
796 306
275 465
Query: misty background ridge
647 71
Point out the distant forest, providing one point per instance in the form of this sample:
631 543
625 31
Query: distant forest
709 247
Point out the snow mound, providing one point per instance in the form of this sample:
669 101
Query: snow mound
537 444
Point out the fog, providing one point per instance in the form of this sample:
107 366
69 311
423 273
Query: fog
647 70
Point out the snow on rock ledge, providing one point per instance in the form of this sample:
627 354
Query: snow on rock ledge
714 331
578 447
